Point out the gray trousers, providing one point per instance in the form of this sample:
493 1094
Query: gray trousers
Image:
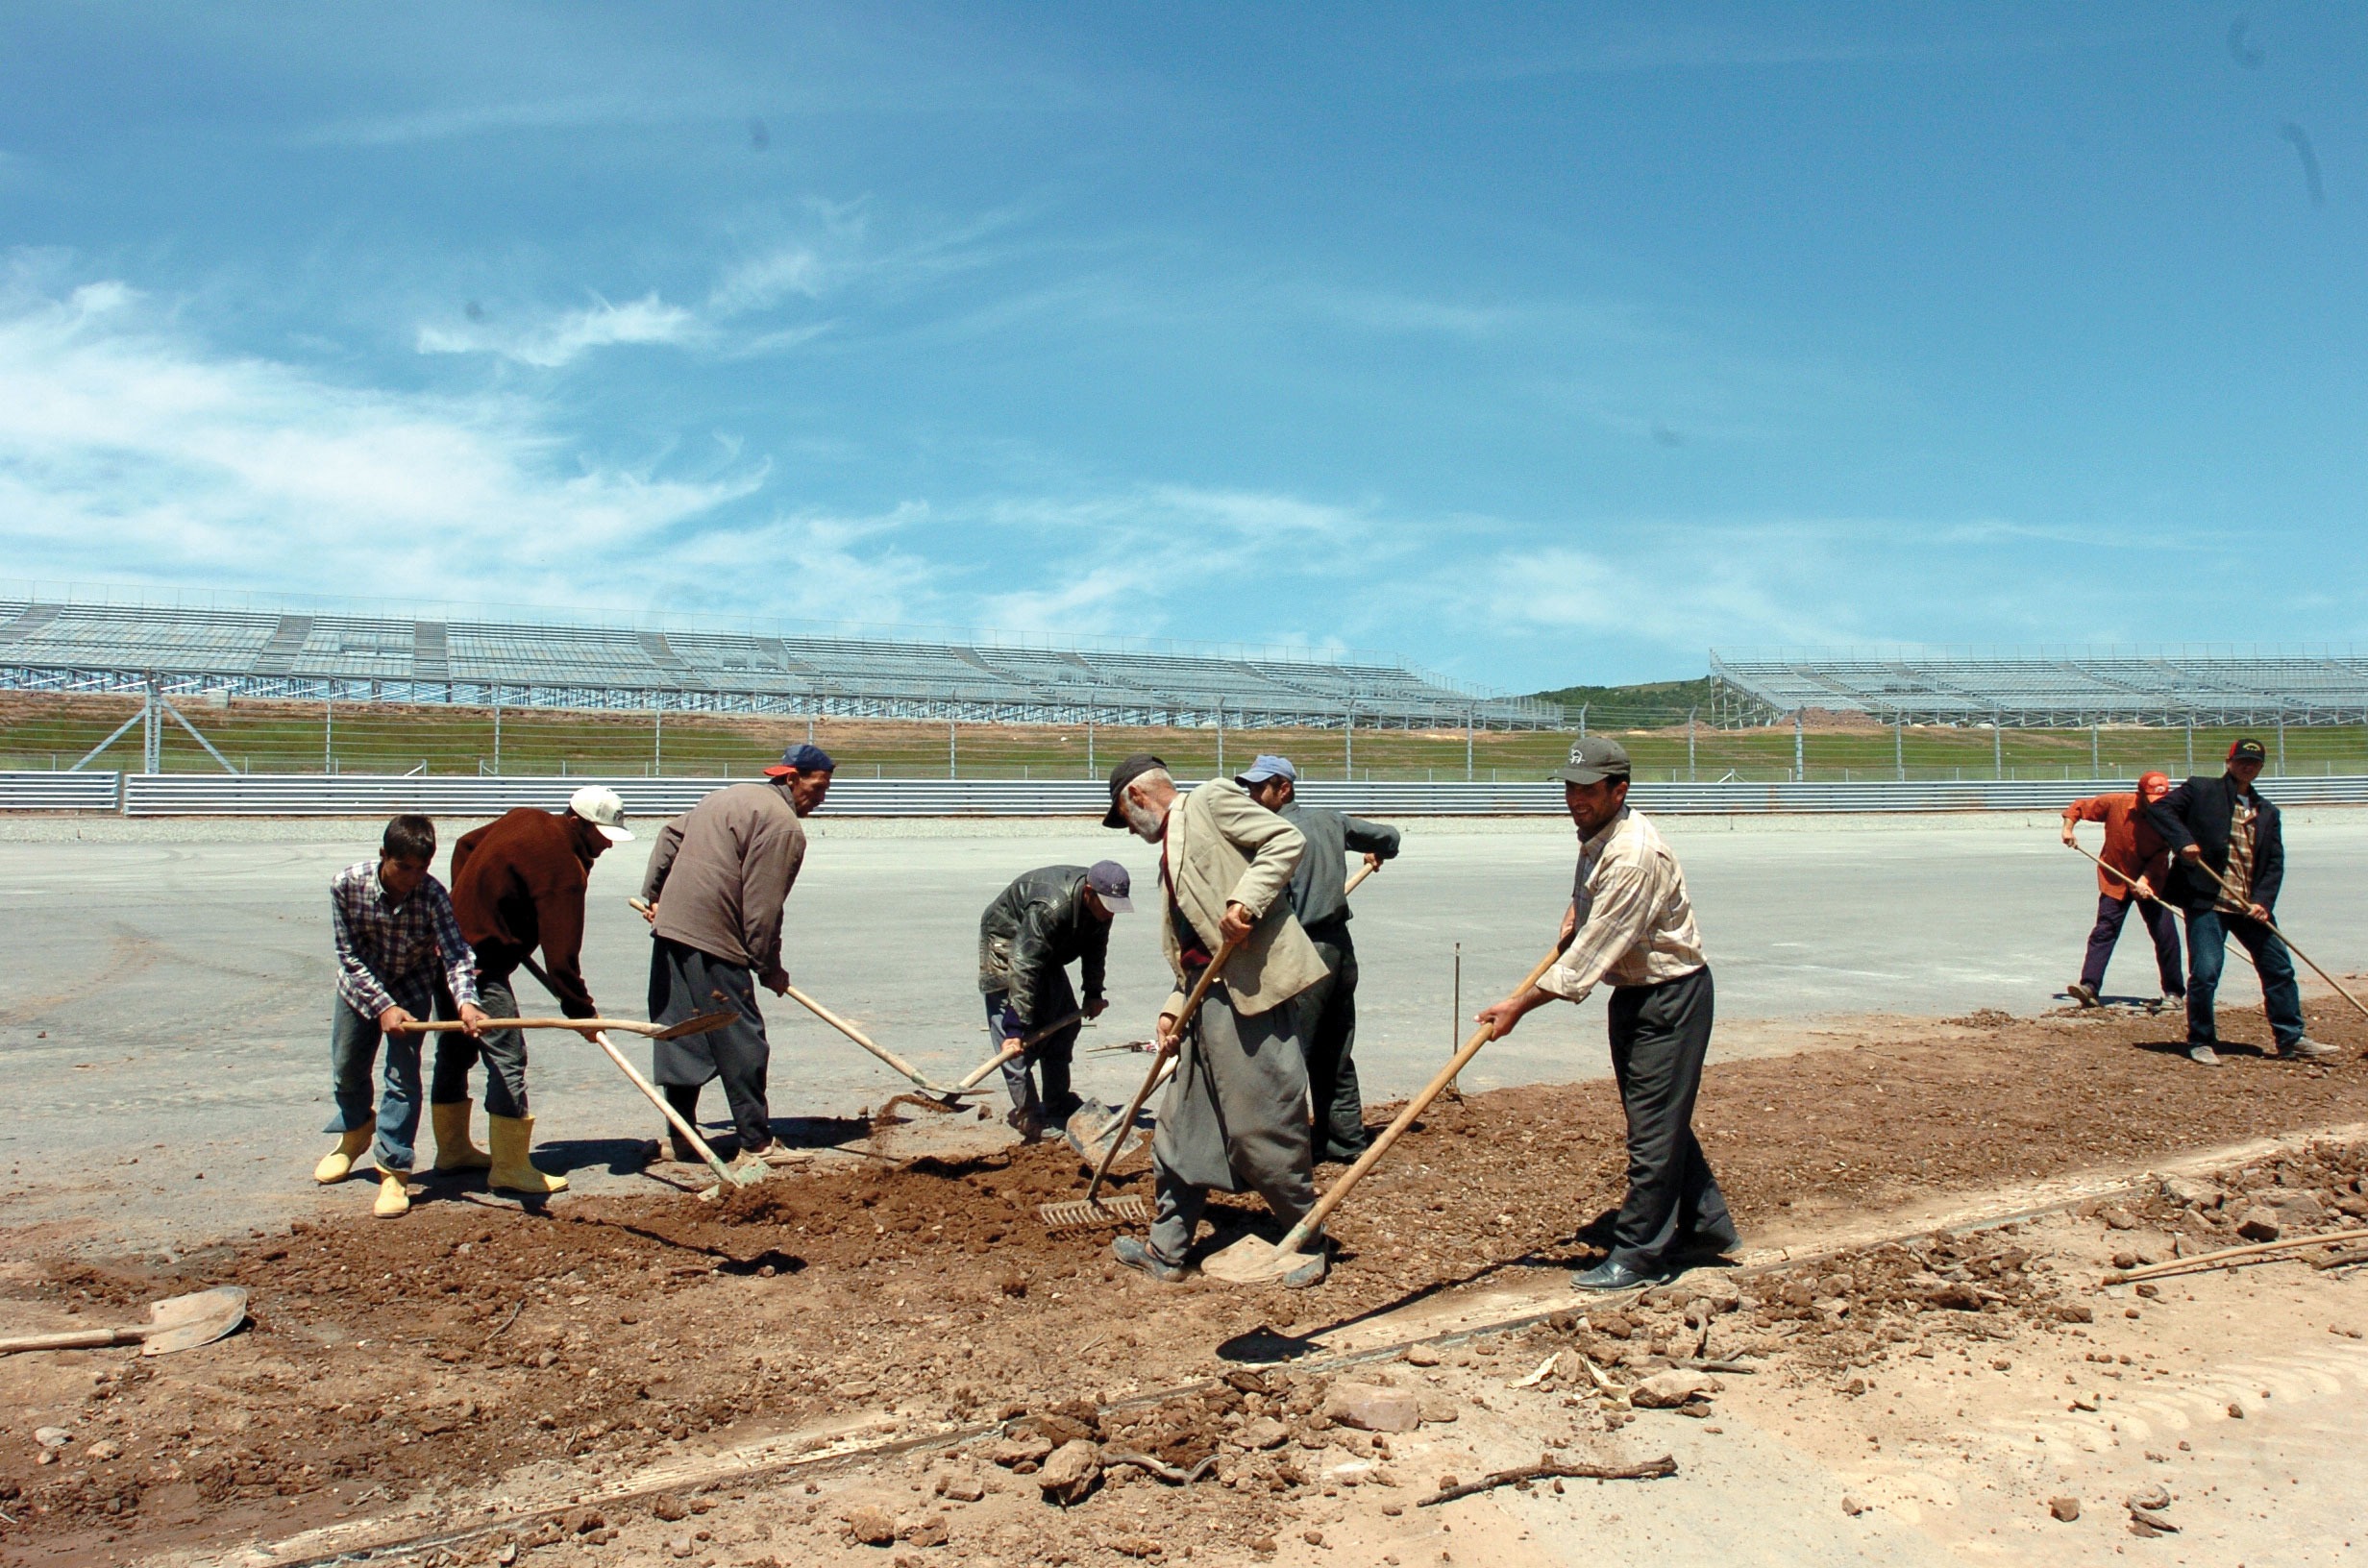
353 1041
1660 1035
1235 1118
684 983
503 1051
1328 1024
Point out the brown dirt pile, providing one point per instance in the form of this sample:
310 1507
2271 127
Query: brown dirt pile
469 1340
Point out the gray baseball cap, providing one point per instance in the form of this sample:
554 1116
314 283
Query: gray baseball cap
1266 765
1592 758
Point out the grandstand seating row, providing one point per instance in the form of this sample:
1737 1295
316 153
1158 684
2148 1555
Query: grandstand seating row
2072 688
72 645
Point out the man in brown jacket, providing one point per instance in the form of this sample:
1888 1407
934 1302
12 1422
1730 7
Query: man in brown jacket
1235 1116
716 883
518 883
2135 850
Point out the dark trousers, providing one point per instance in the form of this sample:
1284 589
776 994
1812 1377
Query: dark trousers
2110 912
684 983
1049 1057
2207 940
503 1051
1660 1036
1328 1025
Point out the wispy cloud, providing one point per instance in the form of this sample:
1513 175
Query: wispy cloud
127 446
559 340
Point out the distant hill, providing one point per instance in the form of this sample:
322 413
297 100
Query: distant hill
1650 705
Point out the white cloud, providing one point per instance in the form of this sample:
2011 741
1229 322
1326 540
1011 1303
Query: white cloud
556 341
761 282
129 451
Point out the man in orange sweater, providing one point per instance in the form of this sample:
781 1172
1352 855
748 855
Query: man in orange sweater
2136 851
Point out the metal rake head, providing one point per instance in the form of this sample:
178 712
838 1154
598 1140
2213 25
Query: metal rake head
1093 1213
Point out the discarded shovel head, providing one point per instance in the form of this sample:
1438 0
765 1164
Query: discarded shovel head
698 1025
1254 1260
1091 1127
199 1318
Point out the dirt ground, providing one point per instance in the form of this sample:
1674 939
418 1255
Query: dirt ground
479 1351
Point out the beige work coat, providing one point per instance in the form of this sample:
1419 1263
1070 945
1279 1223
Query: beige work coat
1223 847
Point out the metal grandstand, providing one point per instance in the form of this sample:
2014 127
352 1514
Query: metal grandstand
75 644
2046 689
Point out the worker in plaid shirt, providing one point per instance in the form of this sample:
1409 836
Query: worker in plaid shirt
399 957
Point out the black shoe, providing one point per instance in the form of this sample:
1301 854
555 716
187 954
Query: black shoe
1612 1275
1137 1253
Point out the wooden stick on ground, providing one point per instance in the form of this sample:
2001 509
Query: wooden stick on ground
1554 1469
2230 1255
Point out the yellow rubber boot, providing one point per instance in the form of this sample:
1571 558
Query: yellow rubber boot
393 1201
452 1149
338 1163
511 1136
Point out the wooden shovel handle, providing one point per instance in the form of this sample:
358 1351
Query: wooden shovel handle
844 1027
432 1026
1012 1053
76 1339
1175 1042
1349 1178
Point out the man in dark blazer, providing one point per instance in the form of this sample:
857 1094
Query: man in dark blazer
2228 859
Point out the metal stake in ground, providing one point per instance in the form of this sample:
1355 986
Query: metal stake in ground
1252 1261
1131 1210
2247 901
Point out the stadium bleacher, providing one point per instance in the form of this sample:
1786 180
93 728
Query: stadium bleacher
69 645
2067 688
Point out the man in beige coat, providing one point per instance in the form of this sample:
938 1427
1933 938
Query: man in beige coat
1235 1116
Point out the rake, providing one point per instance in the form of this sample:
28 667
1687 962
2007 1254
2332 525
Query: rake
1253 1261
1093 1210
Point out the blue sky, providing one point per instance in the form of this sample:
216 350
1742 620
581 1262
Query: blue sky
1536 345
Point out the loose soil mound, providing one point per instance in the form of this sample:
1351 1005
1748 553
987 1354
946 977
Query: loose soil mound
471 1340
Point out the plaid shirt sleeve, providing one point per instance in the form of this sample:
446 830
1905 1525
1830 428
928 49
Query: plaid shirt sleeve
356 981
460 958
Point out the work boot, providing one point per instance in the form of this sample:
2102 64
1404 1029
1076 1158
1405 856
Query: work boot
2204 1054
394 1200
338 1163
1609 1275
2307 1049
2082 993
452 1149
1136 1254
511 1170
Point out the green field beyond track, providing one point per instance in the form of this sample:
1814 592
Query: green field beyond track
280 737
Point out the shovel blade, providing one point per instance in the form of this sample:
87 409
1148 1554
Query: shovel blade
1252 1259
199 1318
698 1025
1088 1131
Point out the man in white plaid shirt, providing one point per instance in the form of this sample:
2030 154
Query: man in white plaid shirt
399 957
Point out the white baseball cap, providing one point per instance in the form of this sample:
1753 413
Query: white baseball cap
603 808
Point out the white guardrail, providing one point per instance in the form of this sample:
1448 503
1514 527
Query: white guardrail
356 795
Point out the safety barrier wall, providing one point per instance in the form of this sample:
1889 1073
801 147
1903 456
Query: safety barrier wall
47 790
350 794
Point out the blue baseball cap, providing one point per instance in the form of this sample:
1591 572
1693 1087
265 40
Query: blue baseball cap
1266 766
1111 884
805 757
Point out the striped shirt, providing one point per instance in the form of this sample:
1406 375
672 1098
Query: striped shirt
388 954
1636 924
2239 875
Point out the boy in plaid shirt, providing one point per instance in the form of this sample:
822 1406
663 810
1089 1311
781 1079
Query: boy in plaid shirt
399 958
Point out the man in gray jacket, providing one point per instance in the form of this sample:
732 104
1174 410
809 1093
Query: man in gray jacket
1046 920
717 879
1320 898
1235 1114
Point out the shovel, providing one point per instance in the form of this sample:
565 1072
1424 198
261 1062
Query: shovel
2247 901
1080 1213
698 1025
920 1079
176 1323
1012 1053
675 1118
1254 1261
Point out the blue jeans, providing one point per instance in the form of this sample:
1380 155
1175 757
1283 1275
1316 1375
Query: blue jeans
353 1043
2207 938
